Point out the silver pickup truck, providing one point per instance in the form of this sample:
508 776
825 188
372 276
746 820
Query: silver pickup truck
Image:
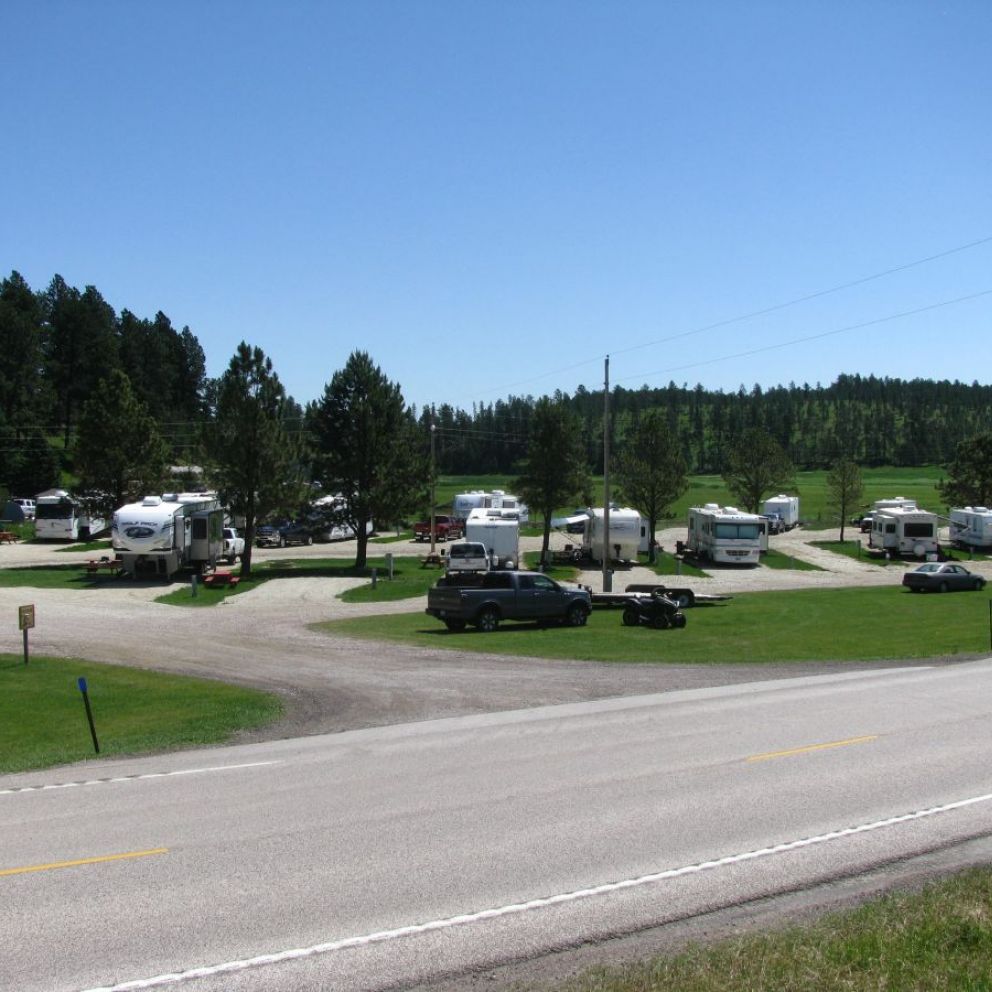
509 596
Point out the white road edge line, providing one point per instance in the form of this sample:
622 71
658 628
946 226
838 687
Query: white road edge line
133 778
523 907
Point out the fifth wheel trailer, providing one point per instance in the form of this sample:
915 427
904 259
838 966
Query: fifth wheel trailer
971 526
163 534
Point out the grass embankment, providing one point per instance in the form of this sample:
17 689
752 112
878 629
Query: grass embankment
53 577
43 721
802 625
777 559
938 938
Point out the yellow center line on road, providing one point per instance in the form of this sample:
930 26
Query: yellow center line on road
84 861
813 747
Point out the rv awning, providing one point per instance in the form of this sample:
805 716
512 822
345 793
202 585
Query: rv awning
578 518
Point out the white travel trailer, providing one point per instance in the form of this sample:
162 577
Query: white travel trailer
499 531
904 530
464 503
726 534
625 533
329 525
61 517
971 527
786 507
163 534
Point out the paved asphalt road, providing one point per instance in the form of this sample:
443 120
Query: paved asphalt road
384 857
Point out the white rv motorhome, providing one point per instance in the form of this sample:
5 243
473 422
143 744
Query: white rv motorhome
785 507
328 525
904 530
61 517
499 531
726 534
971 526
163 534
464 503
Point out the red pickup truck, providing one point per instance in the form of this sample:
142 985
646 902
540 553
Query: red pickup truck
444 528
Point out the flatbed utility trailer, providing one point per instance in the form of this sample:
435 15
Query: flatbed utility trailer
684 597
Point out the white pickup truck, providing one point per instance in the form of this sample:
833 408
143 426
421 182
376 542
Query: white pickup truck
234 546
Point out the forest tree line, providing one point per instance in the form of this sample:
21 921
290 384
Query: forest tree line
60 346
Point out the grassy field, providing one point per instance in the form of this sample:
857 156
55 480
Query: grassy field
776 559
802 625
53 577
811 487
858 550
43 720
937 939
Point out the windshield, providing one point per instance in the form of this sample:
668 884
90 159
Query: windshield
54 511
746 532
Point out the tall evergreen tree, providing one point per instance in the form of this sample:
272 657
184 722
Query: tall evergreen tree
651 469
757 467
367 448
119 454
257 457
969 475
554 469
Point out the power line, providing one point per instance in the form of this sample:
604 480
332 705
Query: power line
795 301
812 337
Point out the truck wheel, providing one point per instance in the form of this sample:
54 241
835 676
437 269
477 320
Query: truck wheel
455 626
576 615
631 618
487 620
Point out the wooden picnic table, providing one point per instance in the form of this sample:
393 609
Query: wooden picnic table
8 537
432 561
221 577
115 565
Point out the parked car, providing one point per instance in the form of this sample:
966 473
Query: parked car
267 535
27 506
296 532
865 522
234 545
942 576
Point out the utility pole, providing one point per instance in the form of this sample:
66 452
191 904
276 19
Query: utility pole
607 573
433 475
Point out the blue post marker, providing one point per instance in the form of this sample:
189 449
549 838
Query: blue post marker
81 682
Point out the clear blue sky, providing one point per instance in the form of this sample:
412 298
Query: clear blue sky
489 197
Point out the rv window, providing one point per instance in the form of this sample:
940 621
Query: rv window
890 528
918 530
199 529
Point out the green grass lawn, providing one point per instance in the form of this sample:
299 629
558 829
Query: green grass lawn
54 577
937 939
804 625
777 559
100 545
409 580
667 564
43 720
858 550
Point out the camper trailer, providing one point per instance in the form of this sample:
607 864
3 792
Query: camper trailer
163 534
327 517
893 503
785 508
464 503
726 534
904 530
61 517
625 534
499 531
971 527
